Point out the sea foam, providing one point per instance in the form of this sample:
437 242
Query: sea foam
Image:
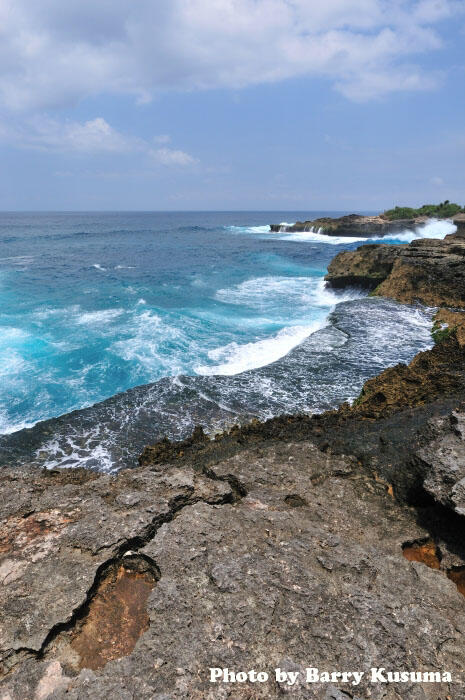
103 316
264 293
434 228
235 358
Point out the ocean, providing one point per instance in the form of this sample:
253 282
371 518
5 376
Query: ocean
117 329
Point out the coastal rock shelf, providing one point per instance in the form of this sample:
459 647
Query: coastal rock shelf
428 271
352 225
277 574
357 225
228 540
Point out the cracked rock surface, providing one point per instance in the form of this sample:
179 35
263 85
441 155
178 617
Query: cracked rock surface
445 462
57 530
281 555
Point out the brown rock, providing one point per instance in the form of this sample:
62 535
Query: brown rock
116 616
454 321
351 225
430 375
365 267
428 271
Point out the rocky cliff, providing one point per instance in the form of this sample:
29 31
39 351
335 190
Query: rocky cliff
334 541
352 225
428 271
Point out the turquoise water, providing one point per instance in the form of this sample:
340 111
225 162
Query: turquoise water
95 304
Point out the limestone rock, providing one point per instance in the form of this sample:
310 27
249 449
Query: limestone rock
302 568
351 225
428 271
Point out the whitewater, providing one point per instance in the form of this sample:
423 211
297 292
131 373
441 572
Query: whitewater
117 329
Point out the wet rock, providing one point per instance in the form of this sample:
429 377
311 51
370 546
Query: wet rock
453 321
431 375
459 221
365 267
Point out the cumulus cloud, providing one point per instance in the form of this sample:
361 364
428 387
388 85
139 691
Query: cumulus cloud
53 52
47 134
171 156
89 137
94 135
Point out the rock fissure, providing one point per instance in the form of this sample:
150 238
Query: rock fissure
425 551
88 629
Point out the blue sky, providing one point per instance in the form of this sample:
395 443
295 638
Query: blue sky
231 104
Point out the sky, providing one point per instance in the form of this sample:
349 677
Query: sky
231 104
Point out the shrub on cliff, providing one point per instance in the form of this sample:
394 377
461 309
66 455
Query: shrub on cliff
444 210
441 332
400 213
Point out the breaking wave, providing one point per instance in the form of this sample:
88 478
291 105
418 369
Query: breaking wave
434 228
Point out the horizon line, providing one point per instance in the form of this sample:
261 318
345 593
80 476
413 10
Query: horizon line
170 211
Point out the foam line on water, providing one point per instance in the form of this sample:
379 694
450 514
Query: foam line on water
315 237
235 358
263 292
249 229
103 316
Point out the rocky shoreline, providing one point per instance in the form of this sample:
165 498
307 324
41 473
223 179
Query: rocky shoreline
357 225
427 271
334 541
351 225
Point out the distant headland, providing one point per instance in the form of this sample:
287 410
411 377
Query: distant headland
388 222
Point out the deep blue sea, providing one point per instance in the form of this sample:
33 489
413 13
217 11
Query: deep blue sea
204 317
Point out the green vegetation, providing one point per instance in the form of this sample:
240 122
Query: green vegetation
366 391
374 292
441 332
444 210
359 399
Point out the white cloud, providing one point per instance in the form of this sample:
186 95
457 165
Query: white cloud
95 135
92 136
171 156
53 52
438 181
89 137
